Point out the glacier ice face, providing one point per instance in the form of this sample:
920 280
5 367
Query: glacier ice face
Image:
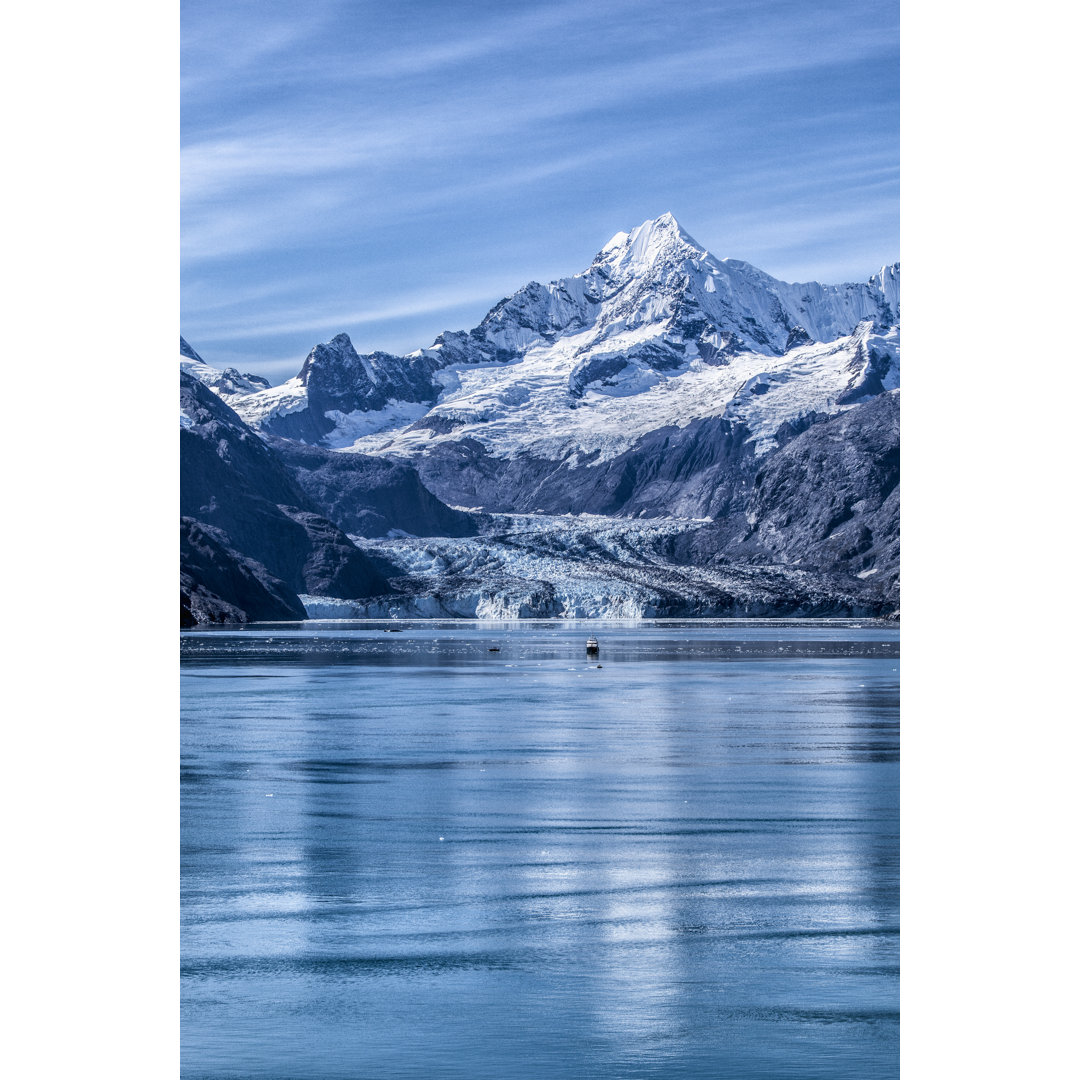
582 567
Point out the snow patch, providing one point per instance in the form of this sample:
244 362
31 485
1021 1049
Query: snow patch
353 426
289 397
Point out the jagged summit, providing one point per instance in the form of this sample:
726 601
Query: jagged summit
337 353
656 332
659 239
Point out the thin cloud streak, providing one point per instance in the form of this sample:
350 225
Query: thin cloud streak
216 57
208 168
215 232
450 54
230 49
318 319
767 32
393 165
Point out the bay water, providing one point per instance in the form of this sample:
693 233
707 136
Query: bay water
466 849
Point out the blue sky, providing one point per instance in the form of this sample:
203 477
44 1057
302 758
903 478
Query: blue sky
393 169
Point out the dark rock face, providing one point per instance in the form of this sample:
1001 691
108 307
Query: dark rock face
211 571
830 498
232 481
189 352
594 370
826 503
339 380
367 496
704 469
797 337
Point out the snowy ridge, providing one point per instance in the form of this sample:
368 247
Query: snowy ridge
273 402
658 277
657 331
227 383
526 405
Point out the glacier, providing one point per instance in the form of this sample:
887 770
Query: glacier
635 409
579 567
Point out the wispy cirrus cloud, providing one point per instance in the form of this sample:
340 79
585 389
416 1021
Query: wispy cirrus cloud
330 144
317 317
302 140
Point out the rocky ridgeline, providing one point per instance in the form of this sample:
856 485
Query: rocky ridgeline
749 427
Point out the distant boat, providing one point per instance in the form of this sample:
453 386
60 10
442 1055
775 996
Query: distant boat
592 647
494 648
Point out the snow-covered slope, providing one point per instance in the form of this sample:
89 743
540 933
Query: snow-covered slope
227 383
533 403
649 383
656 332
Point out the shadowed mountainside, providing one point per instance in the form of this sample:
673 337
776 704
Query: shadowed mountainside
233 483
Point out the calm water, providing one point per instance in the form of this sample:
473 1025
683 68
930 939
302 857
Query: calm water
407 856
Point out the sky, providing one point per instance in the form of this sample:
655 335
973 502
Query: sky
393 169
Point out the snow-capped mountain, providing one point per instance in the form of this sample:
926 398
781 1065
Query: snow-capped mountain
657 332
657 347
658 383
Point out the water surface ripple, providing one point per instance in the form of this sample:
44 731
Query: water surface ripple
407 855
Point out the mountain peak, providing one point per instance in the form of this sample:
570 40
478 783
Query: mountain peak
336 354
666 223
189 352
656 240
